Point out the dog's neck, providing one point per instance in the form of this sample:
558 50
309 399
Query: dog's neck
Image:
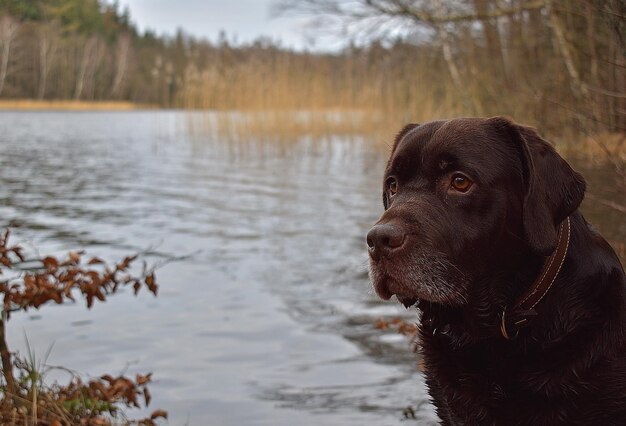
516 288
520 313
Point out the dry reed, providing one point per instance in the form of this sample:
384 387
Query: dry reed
67 105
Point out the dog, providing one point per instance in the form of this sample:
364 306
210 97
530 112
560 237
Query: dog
522 303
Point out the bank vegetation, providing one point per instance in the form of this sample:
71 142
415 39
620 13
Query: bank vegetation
557 64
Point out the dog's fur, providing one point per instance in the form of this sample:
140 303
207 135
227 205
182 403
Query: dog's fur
464 257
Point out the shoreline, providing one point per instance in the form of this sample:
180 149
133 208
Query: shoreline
69 105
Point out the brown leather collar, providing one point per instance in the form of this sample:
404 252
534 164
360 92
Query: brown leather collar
524 308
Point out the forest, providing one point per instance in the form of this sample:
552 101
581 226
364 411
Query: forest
557 64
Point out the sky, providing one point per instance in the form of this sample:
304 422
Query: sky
245 19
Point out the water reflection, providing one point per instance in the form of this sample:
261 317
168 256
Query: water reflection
271 321
271 318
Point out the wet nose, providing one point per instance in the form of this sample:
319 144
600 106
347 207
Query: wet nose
383 239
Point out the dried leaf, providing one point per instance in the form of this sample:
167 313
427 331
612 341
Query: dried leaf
108 378
50 263
381 324
158 413
89 297
151 284
142 380
99 295
56 297
126 262
74 256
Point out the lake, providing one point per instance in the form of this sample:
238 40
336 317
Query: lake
265 315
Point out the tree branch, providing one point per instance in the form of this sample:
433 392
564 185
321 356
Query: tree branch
404 9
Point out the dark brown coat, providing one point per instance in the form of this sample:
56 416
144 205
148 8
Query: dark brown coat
472 210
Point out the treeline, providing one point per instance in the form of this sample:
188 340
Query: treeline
77 49
550 62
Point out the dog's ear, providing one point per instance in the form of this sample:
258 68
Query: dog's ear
402 133
553 189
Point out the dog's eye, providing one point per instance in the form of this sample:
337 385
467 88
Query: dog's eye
392 186
461 182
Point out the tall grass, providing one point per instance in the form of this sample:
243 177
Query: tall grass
390 84
376 89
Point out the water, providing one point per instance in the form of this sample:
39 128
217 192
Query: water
269 319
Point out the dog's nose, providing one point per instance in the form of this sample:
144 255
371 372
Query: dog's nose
383 239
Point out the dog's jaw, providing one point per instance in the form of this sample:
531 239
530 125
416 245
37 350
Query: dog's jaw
418 276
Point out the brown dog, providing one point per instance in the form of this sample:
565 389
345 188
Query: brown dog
523 304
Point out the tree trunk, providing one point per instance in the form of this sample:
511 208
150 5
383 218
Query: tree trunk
48 35
578 86
495 50
88 52
468 102
43 67
8 29
7 364
123 50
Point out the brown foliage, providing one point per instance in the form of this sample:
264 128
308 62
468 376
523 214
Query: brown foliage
57 280
398 324
31 283
78 403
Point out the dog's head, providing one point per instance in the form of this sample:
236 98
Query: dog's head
457 195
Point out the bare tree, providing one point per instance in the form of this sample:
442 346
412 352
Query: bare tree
491 31
578 86
547 50
91 55
432 17
8 31
422 12
122 55
48 37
